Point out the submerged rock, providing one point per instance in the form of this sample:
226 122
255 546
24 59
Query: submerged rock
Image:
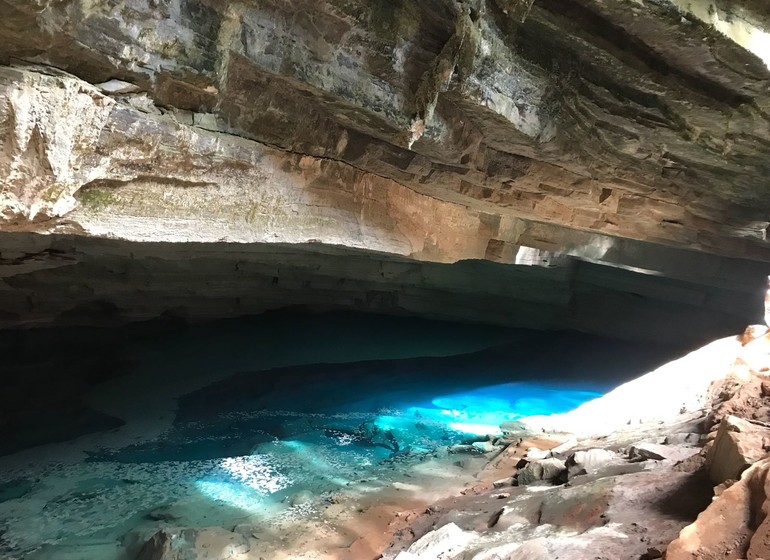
485 446
213 543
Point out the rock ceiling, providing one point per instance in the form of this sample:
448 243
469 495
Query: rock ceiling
634 133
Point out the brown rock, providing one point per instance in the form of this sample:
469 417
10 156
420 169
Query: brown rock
734 526
738 444
753 332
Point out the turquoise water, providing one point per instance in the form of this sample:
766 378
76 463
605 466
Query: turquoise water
233 468
237 423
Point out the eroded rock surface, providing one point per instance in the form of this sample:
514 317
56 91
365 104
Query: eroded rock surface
632 134
636 120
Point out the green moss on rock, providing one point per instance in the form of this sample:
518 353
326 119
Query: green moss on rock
96 198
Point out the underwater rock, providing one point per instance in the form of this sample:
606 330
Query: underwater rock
157 547
471 449
212 543
301 498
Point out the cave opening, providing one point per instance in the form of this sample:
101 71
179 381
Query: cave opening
384 279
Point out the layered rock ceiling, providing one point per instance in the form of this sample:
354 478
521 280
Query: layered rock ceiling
296 145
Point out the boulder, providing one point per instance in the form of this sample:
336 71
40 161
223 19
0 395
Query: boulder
588 461
644 451
212 543
563 448
738 444
445 542
735 525
544 469
118 87
157 547
485 446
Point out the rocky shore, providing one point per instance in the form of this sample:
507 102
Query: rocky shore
683 484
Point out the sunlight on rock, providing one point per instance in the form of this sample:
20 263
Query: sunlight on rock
732 25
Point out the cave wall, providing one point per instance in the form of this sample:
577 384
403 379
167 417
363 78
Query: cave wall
67 280
149 143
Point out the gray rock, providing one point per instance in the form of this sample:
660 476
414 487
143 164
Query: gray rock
460 448
117 87
485 446
206 120
563 448
644 451
544 469
588 461
446 542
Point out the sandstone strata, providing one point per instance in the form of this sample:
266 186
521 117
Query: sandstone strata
632 134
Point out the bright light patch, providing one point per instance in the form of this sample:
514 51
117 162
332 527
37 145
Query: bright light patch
741 31
475 429
243 482
481 411
253 471
313 457
231 494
